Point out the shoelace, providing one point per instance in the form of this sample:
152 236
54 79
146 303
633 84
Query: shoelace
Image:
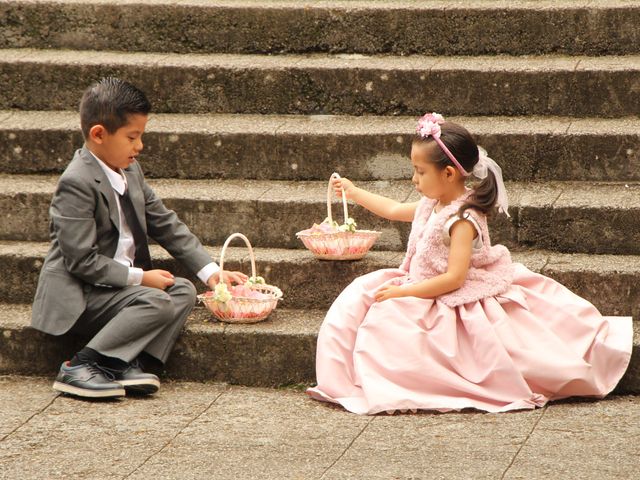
109 373
115 372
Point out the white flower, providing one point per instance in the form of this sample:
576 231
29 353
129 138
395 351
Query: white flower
255 281
349 226
222 293
332 223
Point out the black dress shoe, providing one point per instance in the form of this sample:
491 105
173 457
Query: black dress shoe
134 380
87 380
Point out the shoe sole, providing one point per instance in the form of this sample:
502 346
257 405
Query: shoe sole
86 393
140 386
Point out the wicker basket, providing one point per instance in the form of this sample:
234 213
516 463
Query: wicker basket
338 245
240 309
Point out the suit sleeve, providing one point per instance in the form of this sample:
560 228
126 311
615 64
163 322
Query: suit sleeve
74 227
164 226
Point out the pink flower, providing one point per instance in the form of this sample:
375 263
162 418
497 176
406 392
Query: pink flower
246 292
429 125
320 229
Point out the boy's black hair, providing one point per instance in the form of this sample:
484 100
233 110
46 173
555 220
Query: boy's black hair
109 102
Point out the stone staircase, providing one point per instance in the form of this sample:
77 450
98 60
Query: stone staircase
257 102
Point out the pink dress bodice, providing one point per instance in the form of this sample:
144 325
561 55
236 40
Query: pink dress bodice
490 272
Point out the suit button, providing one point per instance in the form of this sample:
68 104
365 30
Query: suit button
87 288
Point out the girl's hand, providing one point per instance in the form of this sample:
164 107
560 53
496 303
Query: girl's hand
389 291
345 184
228 278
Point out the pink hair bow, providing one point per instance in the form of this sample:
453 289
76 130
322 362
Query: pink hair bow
429 126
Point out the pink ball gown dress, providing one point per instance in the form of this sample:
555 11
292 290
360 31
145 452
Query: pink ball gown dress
508 339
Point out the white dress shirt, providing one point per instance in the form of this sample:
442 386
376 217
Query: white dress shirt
126 250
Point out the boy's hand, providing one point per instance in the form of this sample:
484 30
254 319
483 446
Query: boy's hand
345 184
228 278
157 279
387 292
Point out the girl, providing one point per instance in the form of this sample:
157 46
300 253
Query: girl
458 325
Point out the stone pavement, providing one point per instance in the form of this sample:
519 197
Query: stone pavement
214 431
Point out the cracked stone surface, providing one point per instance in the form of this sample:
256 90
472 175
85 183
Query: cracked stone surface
579 440
34 395
258 434
101 439
205 430
458 446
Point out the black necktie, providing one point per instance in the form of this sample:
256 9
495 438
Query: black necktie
142 258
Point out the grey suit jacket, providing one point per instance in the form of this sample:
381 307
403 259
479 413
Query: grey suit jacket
84 222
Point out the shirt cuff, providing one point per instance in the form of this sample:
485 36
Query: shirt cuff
135 276
205 273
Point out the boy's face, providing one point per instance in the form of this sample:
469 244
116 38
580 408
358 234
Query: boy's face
119 149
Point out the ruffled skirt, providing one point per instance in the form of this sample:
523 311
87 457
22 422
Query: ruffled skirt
535 343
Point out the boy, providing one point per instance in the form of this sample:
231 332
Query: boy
97 279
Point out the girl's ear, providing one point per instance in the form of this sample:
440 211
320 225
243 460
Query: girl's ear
97 133
450 173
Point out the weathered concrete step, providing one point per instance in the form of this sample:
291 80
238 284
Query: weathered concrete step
269 212
466 28
331 84
610 282
565 216
284 147
278 351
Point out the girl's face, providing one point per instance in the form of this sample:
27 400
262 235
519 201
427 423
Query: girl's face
430 181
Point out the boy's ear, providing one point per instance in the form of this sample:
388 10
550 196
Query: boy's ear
97 134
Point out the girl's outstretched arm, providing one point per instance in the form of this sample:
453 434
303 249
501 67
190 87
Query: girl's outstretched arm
378 204
462 235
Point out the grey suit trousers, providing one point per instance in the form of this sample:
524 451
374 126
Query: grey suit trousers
126 321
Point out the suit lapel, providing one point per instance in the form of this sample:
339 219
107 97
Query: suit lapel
103 185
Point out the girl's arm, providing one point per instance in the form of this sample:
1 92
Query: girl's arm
462 235
381 206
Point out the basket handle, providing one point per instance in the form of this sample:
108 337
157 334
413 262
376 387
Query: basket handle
224 249
344 200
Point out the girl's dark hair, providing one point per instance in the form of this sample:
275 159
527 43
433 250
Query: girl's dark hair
465 149
109 102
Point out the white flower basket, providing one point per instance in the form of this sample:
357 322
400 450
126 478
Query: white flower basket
242 309
338 245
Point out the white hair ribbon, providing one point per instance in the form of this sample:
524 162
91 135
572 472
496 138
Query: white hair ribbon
481 170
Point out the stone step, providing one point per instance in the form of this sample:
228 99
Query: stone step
610 282
232 26
284 147
584 217
351 84
279 351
